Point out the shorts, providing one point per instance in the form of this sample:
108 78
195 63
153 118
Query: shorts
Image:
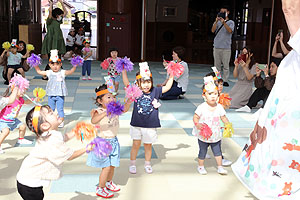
116 78
112 160
12 125
14 66
70 48
147 135
215 147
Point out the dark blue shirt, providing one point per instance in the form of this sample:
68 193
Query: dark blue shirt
144 114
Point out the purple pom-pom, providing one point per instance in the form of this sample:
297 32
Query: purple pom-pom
33 60
77 61
101 147
124 64
114 108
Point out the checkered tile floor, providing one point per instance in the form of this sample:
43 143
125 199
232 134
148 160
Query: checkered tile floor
174 155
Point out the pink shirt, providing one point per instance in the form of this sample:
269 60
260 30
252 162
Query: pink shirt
10 112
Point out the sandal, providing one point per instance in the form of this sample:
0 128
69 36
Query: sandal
132 169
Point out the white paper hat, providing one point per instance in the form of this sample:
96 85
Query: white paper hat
144 70
54 55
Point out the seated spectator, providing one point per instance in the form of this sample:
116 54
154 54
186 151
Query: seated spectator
285 51
263 86
79 41
180 83
70 43
244 72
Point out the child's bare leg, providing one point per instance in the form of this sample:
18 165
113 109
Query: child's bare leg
135 148
148 152
9 72
22 72
104 176
22 130
4 133
111 173
219 160
116 86
200 162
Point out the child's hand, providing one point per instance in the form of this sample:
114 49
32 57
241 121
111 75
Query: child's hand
199 126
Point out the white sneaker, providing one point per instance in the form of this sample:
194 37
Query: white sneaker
148 169
24 141
222 171
244 109
208 156
104 192
132 169
202 170
1 151
226 162
61 125
112 186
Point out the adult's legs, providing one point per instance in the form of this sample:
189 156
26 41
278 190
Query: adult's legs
217 58
258 94
173 93
226 54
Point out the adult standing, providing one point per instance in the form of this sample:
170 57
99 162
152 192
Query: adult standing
223 29
269 164
180 83
54 38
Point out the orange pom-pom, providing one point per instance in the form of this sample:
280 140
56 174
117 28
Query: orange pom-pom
85 131
224 100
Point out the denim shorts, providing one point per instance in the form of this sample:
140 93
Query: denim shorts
112 160
116 78
12 125
215 147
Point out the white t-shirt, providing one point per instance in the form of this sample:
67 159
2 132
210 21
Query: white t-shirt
14 59
71 40
79 39
212 119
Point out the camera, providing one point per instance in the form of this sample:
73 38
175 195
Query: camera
223 15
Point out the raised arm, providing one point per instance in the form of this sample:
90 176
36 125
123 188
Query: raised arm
236 66
50 9
125 78
283 47
71 71
168 85
214 27
291 12
275 54
39 71
64 8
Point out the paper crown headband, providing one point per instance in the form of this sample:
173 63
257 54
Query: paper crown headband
145 72
217 73
86 41
54 56
110 84
209 84
14 43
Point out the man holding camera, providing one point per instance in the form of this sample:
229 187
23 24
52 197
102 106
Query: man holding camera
223 29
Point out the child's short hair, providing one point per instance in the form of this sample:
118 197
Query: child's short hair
140 80
112 49
41 119
218 81
100 88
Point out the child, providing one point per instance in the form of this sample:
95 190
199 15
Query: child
56 87
112 72
9 114
87 56
70 42
79 41
108 129
209 113
219 82
45 160
14 60
145 118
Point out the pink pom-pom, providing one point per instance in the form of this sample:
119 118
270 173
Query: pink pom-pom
100 147
104 64
77 61
175 69
20 82
34 60
205 131
133 92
